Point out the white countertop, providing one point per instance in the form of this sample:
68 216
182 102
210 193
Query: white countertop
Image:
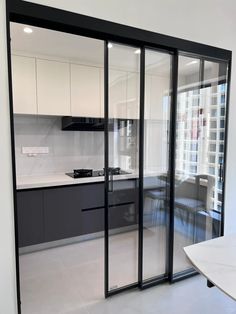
216 260
57 179
40 181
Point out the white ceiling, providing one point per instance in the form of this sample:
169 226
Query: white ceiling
82 49
91 51
56 44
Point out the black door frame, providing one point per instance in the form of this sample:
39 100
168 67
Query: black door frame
60 20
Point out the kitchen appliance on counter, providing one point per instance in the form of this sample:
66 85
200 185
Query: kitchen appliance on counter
85 173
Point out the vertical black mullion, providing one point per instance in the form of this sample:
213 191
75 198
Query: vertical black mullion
106 162
201 75
173 111
8 37
141 164
225 147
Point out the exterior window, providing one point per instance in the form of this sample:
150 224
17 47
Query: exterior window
213 136
221 148
212 159
222 124
213 124
194 146
222 111
222 99
213 112
222 136
214 101
193 157
212 147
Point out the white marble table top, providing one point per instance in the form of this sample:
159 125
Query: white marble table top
216 260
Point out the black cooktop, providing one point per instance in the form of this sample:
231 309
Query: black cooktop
86 173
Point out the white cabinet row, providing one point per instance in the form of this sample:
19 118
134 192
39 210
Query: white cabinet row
48 87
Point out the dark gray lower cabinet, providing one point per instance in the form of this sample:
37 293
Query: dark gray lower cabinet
30 217
51 214
68 214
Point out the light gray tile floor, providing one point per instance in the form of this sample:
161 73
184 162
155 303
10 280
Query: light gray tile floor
69 280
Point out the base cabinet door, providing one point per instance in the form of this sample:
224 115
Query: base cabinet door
72 211
62 214
30 218
58 213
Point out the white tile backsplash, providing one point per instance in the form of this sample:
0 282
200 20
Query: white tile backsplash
67 149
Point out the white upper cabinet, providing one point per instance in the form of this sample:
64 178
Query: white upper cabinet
24 85
85 91
53 87
133 94
117 94
156 88
147 96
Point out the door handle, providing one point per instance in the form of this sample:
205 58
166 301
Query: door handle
110 182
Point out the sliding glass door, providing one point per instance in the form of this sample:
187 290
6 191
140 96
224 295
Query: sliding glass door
199 158
122 166
157 101
162 192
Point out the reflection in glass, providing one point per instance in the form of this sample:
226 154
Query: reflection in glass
123 146
156 131
200 131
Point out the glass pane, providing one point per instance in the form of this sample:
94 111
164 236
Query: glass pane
199 131
124 63
156 147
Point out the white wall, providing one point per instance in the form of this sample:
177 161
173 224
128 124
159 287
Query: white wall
7 258
211 22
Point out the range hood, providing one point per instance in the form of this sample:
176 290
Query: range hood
92 124
82 124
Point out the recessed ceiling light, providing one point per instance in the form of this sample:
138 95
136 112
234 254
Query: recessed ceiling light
109 45
28 30
192 62
137 51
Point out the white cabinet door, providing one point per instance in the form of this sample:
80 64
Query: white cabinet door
24 85
53 87
85 91
159 87
147 95
117 94
133 92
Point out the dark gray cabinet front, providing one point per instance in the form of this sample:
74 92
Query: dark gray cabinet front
52 214
67 211
30 217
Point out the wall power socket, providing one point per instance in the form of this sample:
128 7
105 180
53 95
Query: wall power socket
34 151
